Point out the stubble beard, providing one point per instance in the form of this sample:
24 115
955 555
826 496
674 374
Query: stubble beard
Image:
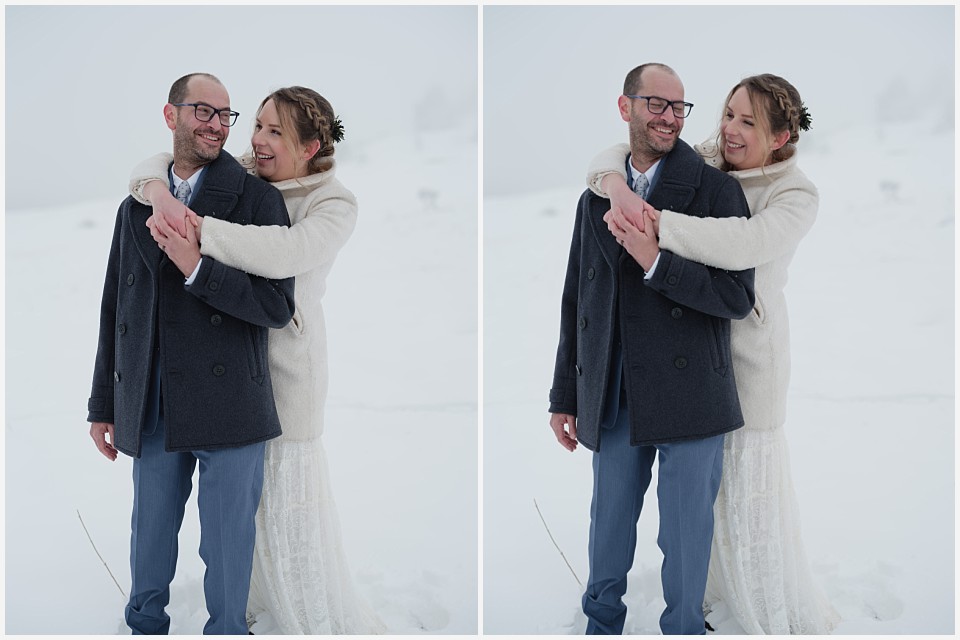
188 152
644 146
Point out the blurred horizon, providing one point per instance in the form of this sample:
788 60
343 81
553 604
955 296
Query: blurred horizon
94 79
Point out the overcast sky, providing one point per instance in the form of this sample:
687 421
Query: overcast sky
551 75
86 85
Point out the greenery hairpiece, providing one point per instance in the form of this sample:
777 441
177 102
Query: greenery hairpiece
336 129
806 122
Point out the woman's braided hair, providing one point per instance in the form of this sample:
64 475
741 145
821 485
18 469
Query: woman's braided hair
777 105
311 117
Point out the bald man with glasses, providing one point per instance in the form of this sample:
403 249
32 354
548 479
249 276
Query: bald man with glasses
180 378
642 370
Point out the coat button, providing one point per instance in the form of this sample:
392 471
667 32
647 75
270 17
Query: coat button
680 363
116 376
130 279
215 319
590 273
122 329
583 323
214 285
676 313
673 280
579 371
219 370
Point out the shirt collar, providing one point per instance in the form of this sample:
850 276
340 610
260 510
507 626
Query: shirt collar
175 180
650 173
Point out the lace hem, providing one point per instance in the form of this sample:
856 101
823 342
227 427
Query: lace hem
758 565
300 574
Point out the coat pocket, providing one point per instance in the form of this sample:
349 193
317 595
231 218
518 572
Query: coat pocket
759 312
256 352
720 345
297 321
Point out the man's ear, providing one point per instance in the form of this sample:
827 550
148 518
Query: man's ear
170 116
623 102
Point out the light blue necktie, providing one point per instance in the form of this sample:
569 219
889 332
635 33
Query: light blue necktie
183 192
640 186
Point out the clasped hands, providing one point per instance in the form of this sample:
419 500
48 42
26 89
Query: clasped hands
174 227
636 226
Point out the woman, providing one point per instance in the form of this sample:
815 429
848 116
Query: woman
758 566
300 575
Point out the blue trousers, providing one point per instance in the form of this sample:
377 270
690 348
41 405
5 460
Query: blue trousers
229 490
687 486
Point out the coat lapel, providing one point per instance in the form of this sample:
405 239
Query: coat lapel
146 245
609 247
218 194
220 188
676 186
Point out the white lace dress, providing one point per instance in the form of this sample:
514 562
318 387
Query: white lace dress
758 566
300 578
300 573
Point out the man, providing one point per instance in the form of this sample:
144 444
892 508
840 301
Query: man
643 365
181 370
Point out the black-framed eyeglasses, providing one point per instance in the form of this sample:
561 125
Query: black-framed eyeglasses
205 113
657 105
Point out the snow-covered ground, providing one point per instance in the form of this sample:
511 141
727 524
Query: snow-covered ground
401 435
871 405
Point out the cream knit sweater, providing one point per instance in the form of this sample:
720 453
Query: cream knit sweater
783 205
323 214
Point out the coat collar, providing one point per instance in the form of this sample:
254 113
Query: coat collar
675 188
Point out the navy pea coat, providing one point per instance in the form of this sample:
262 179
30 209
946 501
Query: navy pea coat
210 337
674 327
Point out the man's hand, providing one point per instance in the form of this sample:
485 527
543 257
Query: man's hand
182 251
642 245
564 427
99 432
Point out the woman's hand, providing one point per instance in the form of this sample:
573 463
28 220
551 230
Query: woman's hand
175 213
622 197
642 245
182 251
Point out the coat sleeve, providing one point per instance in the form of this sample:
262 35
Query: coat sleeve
610 160
717 292
100 406
742 243
153 168
254 299
563 393
281 251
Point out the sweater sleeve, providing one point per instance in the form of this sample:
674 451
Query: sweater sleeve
743 243
283 252
611 160
153 168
